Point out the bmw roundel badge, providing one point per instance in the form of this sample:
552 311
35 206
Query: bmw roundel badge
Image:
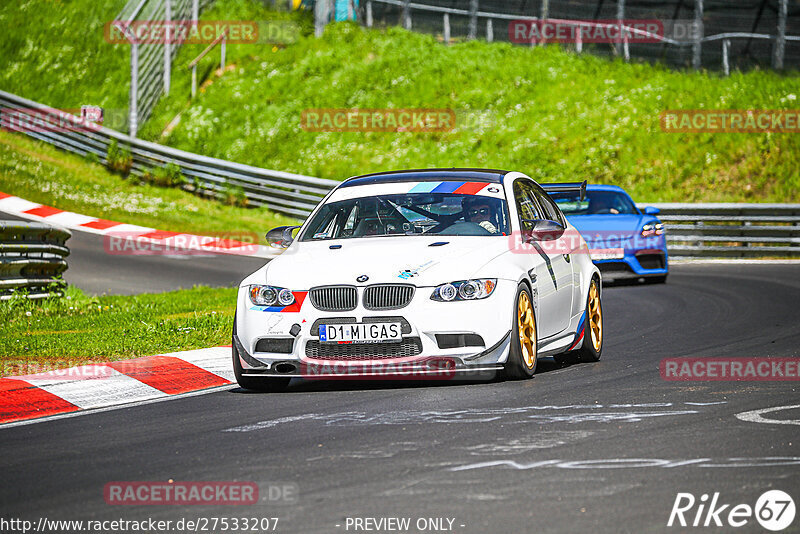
362 278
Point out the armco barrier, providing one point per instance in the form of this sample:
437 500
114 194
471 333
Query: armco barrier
707 230
731 230
284 192
32 256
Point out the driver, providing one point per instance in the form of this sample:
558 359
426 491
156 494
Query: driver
601 205
477 210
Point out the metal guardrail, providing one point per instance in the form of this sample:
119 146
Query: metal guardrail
731 230
708 230
283 192
32 258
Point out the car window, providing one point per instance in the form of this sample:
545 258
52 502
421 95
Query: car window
527 207
596 203
351 219
552 213
409 214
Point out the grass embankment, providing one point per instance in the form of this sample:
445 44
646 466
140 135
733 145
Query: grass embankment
78 329
553 114
57 53
54 52
41 173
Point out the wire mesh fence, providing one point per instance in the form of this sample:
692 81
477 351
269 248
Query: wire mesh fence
748 32
151 59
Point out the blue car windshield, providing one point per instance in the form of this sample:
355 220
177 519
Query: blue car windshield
595 203
409 214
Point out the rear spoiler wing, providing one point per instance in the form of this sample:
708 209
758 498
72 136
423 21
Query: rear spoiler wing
566 187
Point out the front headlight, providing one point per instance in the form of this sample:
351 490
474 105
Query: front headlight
652 229
464 290
270 295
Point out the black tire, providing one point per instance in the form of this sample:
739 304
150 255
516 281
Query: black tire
517 368
266 385
587 352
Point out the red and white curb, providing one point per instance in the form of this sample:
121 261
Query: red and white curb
112 384
130 232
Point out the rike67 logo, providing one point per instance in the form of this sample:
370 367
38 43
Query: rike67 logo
774 510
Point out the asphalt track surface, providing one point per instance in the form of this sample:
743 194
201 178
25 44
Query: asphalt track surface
417 450
97 272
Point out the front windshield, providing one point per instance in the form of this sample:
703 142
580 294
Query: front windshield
409 214
595 203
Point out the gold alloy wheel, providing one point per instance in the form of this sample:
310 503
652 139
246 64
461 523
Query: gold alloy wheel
595 317
526 327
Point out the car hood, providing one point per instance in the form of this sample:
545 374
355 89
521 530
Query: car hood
384 260
609 226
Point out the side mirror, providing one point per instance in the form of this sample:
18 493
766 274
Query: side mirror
281 237
542 230
651 210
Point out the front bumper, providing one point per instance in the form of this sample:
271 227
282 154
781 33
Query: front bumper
636 261
441 340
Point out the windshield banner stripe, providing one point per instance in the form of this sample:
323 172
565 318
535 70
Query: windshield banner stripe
447 187
470 188
399 188
424 187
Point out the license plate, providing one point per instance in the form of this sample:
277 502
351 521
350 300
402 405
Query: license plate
607 253
360 332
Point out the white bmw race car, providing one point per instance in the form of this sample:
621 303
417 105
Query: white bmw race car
451 273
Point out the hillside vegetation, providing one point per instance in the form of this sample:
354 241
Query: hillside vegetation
54 52
553 114
41 173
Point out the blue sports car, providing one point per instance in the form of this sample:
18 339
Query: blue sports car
624 241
